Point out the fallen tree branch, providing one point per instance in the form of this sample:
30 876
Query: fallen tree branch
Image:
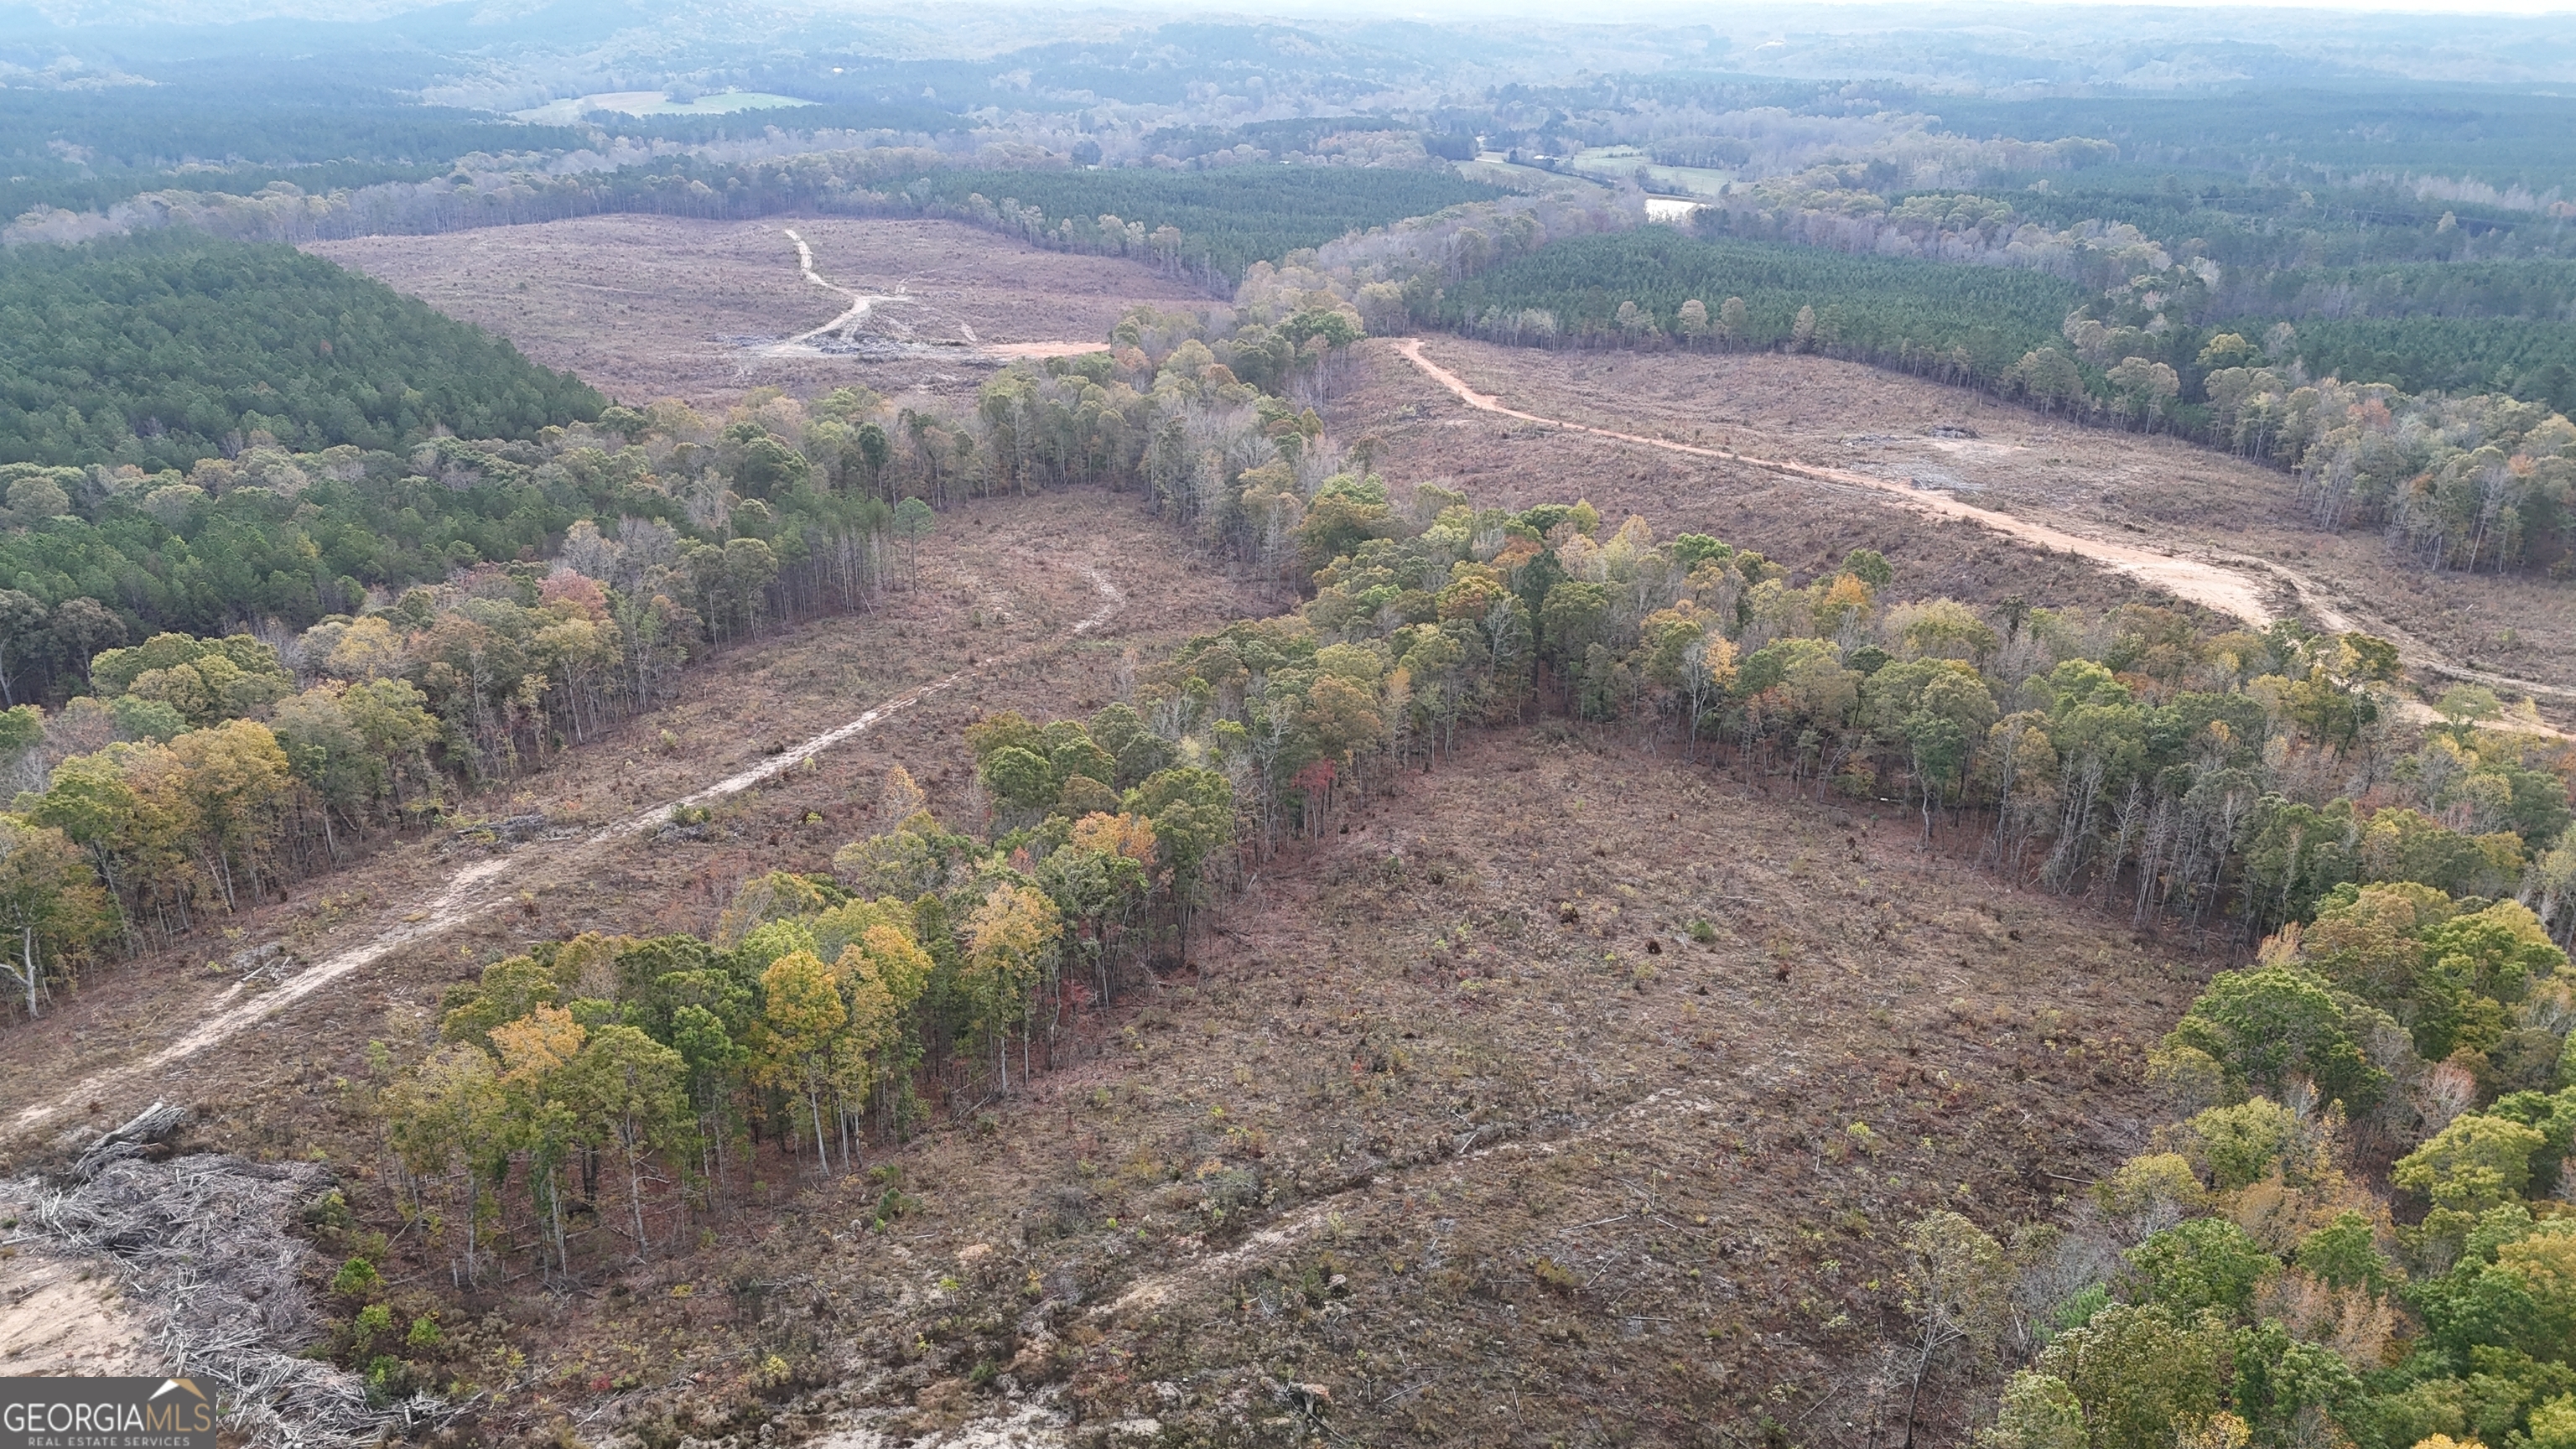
151 1125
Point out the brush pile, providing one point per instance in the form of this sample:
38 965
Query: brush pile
202 1243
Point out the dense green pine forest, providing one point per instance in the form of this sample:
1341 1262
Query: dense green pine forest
1866 307
2540 289
84 150
924 120
162 349
283 539
2534 361
1228 218
2503 135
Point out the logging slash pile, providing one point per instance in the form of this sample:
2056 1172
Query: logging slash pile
203 1245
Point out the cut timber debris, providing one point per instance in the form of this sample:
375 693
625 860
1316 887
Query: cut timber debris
201 1241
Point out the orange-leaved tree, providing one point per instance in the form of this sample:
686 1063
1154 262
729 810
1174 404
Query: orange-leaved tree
534 1051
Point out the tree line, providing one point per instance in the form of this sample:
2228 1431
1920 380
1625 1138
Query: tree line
1962 324
337 710
277 539
183 777
2469 482
2466 324
1218 222
85 150
2231 779
608 1092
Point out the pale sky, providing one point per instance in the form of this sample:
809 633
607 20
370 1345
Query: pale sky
1733 15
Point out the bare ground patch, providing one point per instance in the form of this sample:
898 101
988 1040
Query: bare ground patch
62 1316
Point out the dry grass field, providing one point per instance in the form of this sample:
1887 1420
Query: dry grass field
1814 410
1533 1167
646 307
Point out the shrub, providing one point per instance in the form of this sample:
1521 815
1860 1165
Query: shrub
357 1278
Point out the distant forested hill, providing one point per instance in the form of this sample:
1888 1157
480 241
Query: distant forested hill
161 349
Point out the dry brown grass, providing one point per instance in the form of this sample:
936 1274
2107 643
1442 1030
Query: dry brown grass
1503 1177
1537 1180
644 307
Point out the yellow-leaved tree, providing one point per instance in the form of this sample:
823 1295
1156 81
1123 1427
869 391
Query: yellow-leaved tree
798 1036
453 1108
1009 940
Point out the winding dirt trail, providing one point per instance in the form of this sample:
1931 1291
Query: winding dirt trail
2227 590
480 888
861 303
2236 586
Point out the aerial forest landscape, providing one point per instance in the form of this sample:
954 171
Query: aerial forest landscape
794 724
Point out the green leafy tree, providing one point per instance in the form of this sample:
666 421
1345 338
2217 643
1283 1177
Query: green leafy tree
2038 1412
627 1090
1192 811
2263 1025
871 449
2202 1263
25 640
1573 617
2345 1253
2141 1374
2475 1163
